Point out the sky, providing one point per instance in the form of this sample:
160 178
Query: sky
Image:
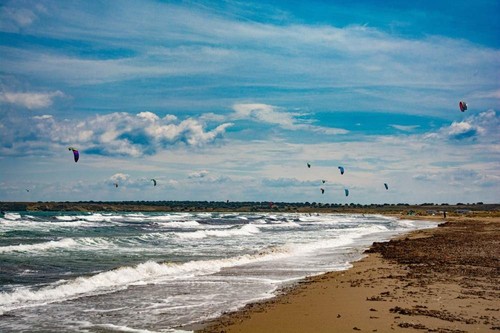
229 100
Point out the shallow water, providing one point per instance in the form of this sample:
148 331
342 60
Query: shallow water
152 272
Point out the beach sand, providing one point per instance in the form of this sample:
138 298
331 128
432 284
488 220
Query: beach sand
445 279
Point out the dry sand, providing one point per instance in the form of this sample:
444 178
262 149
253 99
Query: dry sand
445 279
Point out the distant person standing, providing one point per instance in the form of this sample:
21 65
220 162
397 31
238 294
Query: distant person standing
444 213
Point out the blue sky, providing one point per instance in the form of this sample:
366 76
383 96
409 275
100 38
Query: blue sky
229 100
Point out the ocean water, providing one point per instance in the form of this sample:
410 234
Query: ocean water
156 272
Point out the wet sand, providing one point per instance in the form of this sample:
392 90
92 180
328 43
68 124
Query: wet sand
445 279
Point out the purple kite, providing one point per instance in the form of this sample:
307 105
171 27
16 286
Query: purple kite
76 155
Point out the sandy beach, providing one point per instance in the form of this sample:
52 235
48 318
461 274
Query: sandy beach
444 279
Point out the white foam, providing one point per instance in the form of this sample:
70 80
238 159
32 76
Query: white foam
97 217
63 243
23 224
246 230
127 329
183 224
83 243
66 218
12 216
344 237
274 224
117 279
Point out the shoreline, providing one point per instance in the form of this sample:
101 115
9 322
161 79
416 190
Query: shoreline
442 279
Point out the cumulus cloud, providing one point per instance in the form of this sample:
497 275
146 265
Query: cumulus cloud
30 100
119 177
112 134
483 126
463 130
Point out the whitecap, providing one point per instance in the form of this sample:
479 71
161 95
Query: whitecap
120 278
12 216
246 230
62 243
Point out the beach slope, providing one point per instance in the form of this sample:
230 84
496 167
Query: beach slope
444 279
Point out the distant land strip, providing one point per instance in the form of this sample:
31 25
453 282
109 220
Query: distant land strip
424 209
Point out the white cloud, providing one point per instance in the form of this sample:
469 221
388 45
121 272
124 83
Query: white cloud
110 134
264 113
417 170
405 128
14 15
45 116
206 177
30 100
463 129
318 61
484 126
148 116
119 177
270 114
198 174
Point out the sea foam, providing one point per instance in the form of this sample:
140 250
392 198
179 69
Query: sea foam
246 230
121 278
62 243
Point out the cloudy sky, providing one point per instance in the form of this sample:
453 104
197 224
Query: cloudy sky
229 100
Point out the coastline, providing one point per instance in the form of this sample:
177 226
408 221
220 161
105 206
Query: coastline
443 279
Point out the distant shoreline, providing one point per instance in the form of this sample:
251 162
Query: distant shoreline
477 209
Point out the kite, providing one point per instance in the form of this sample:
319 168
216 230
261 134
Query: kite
462 105
76 155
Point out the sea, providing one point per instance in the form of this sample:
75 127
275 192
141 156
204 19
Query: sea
161 272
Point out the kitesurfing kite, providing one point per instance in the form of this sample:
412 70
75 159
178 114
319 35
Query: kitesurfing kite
463 106
154 182
346 192
341 170
76 155
322 191
386 186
